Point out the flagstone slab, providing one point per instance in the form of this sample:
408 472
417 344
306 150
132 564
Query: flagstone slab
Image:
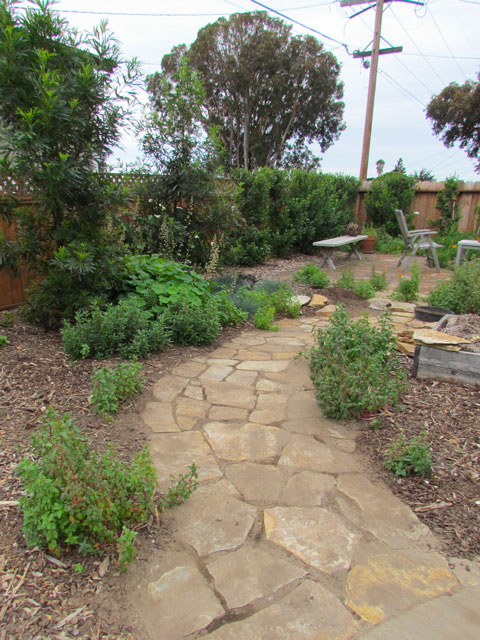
309 612
308 489
243 354
211 523
263 365
250 442
313 534
402 307
174 614
222 487
303 453
285 355
223 352
305 426
174 453
301 299
168 388
249 574
193 391
226 414
242 377
216 372
292 342
303 404
158 416
378 511
249 340
256 482
229 394
327 311
268 385
270 407
390 583
187 422
189 369
222 362
192 408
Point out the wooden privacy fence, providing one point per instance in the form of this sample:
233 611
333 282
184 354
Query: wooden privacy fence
12 290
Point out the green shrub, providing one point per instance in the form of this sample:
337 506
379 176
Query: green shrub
378 280
124 329
75 497
411 458
390 191
250 248
447 253
267 293
263 319
346 280
7 319
353 366
407 290
229 315
193 324
364 289
4 340
461 293
313 275
389 244
113 385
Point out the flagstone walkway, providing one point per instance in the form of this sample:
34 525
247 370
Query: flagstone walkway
288 536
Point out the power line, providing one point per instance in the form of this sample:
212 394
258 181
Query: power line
401 88
300 24
433 55
446 43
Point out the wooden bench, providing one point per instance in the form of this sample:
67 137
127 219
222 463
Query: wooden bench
328 246
465 244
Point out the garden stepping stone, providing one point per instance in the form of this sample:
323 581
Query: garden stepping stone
193 391
249 574
375 509
254 355
159 418
291 342
172 613
250 442
216 372
303 405
256 482
211 523
192 408
390 583
251 340
327 311
270 407
242 377
263 365
174 453
168 387
313 534
189 369
305 454
223 352
225 414
221 487
228 394
308 489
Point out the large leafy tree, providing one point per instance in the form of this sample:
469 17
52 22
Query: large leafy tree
455 116
63 99
268 93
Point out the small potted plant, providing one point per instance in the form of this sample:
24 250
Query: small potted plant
368 245
352 229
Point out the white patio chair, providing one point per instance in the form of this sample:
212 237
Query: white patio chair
415 240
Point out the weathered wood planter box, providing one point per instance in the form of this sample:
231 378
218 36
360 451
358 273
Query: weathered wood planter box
442 364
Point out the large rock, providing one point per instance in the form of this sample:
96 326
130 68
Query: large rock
315 535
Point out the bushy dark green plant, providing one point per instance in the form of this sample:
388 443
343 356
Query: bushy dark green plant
447 206
264 318
122 329
155 284
461 293
249 248
408 288
75 497
389 244
313 275
390 191
346 280
411 458
190 324
364 289
353 366
267 293
229 315
112 385
378 280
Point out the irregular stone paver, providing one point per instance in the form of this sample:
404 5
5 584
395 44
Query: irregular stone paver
284 355
270 407
186 422
256 482
381 513
211 523
304 426
242 377
267 385
216 372
318 300
171 616
193 391
302 300
391 583
313 534
292 342
223 486
252 442
446 618
174 454
254 355
249 340
159 418
303 453
308 489
263 365
249 574
303 405
168 387
222 362
310 612
225 414
192 408
228 394
222 352
189 369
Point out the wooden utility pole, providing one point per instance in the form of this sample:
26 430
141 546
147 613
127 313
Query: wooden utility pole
372 83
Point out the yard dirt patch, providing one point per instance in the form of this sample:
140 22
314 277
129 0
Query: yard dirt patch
39 594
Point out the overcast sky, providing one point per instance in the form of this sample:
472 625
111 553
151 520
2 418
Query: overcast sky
440 45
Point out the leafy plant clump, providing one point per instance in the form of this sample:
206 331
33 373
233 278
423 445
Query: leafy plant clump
229 315
113 385
7 319
364 289
411 458
190 324
461 293
346 280
313 275
353 366
75 497
390 191
264 318
407 290
267 294
124 329
378 280
4 340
